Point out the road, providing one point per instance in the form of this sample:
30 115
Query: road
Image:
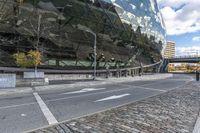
22 112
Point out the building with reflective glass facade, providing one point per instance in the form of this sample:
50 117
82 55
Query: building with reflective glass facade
144 13
128 32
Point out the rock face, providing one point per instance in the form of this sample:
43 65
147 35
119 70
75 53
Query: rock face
172 112
59 29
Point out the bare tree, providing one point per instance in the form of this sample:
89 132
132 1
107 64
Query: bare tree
6 10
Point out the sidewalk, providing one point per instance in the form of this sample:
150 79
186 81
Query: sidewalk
99 81
173 112
103 81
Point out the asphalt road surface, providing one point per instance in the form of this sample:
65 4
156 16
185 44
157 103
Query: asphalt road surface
22 112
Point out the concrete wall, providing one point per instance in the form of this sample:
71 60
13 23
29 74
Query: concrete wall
67 76
21 82
31 75
7 80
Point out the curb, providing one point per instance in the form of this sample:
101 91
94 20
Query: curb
197 124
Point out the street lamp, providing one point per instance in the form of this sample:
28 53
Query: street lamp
86 29
95 52
83 28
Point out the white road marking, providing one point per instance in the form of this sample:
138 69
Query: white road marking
146 88
59 99
129 88
113 97
197 126
83 91
19 105
23 115
104 92
45 110
157 82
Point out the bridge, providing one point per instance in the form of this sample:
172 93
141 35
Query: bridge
178 59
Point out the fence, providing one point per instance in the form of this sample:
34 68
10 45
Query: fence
108 72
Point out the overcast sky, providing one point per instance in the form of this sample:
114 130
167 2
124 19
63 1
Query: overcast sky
182 20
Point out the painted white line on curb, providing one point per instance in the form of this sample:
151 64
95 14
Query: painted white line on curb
45 110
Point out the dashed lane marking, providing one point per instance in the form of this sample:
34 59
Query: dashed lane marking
83 91
19 105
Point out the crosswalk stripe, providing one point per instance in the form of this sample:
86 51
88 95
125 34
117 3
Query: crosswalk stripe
45 110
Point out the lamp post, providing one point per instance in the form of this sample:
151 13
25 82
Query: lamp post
94 47
95 52
95 40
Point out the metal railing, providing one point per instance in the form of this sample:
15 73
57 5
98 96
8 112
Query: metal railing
187 56
117 72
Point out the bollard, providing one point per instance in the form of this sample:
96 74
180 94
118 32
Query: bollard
197 76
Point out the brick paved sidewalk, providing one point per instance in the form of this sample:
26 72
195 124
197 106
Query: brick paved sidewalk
172 112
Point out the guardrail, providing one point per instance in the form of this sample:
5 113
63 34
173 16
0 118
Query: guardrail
120 71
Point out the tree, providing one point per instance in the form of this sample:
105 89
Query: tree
21 59
35 25
5 11
31 59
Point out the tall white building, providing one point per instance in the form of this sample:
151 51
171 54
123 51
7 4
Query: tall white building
170 50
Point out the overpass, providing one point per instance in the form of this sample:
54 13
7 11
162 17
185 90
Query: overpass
178 59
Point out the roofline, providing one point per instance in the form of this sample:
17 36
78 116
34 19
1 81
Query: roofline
171 42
